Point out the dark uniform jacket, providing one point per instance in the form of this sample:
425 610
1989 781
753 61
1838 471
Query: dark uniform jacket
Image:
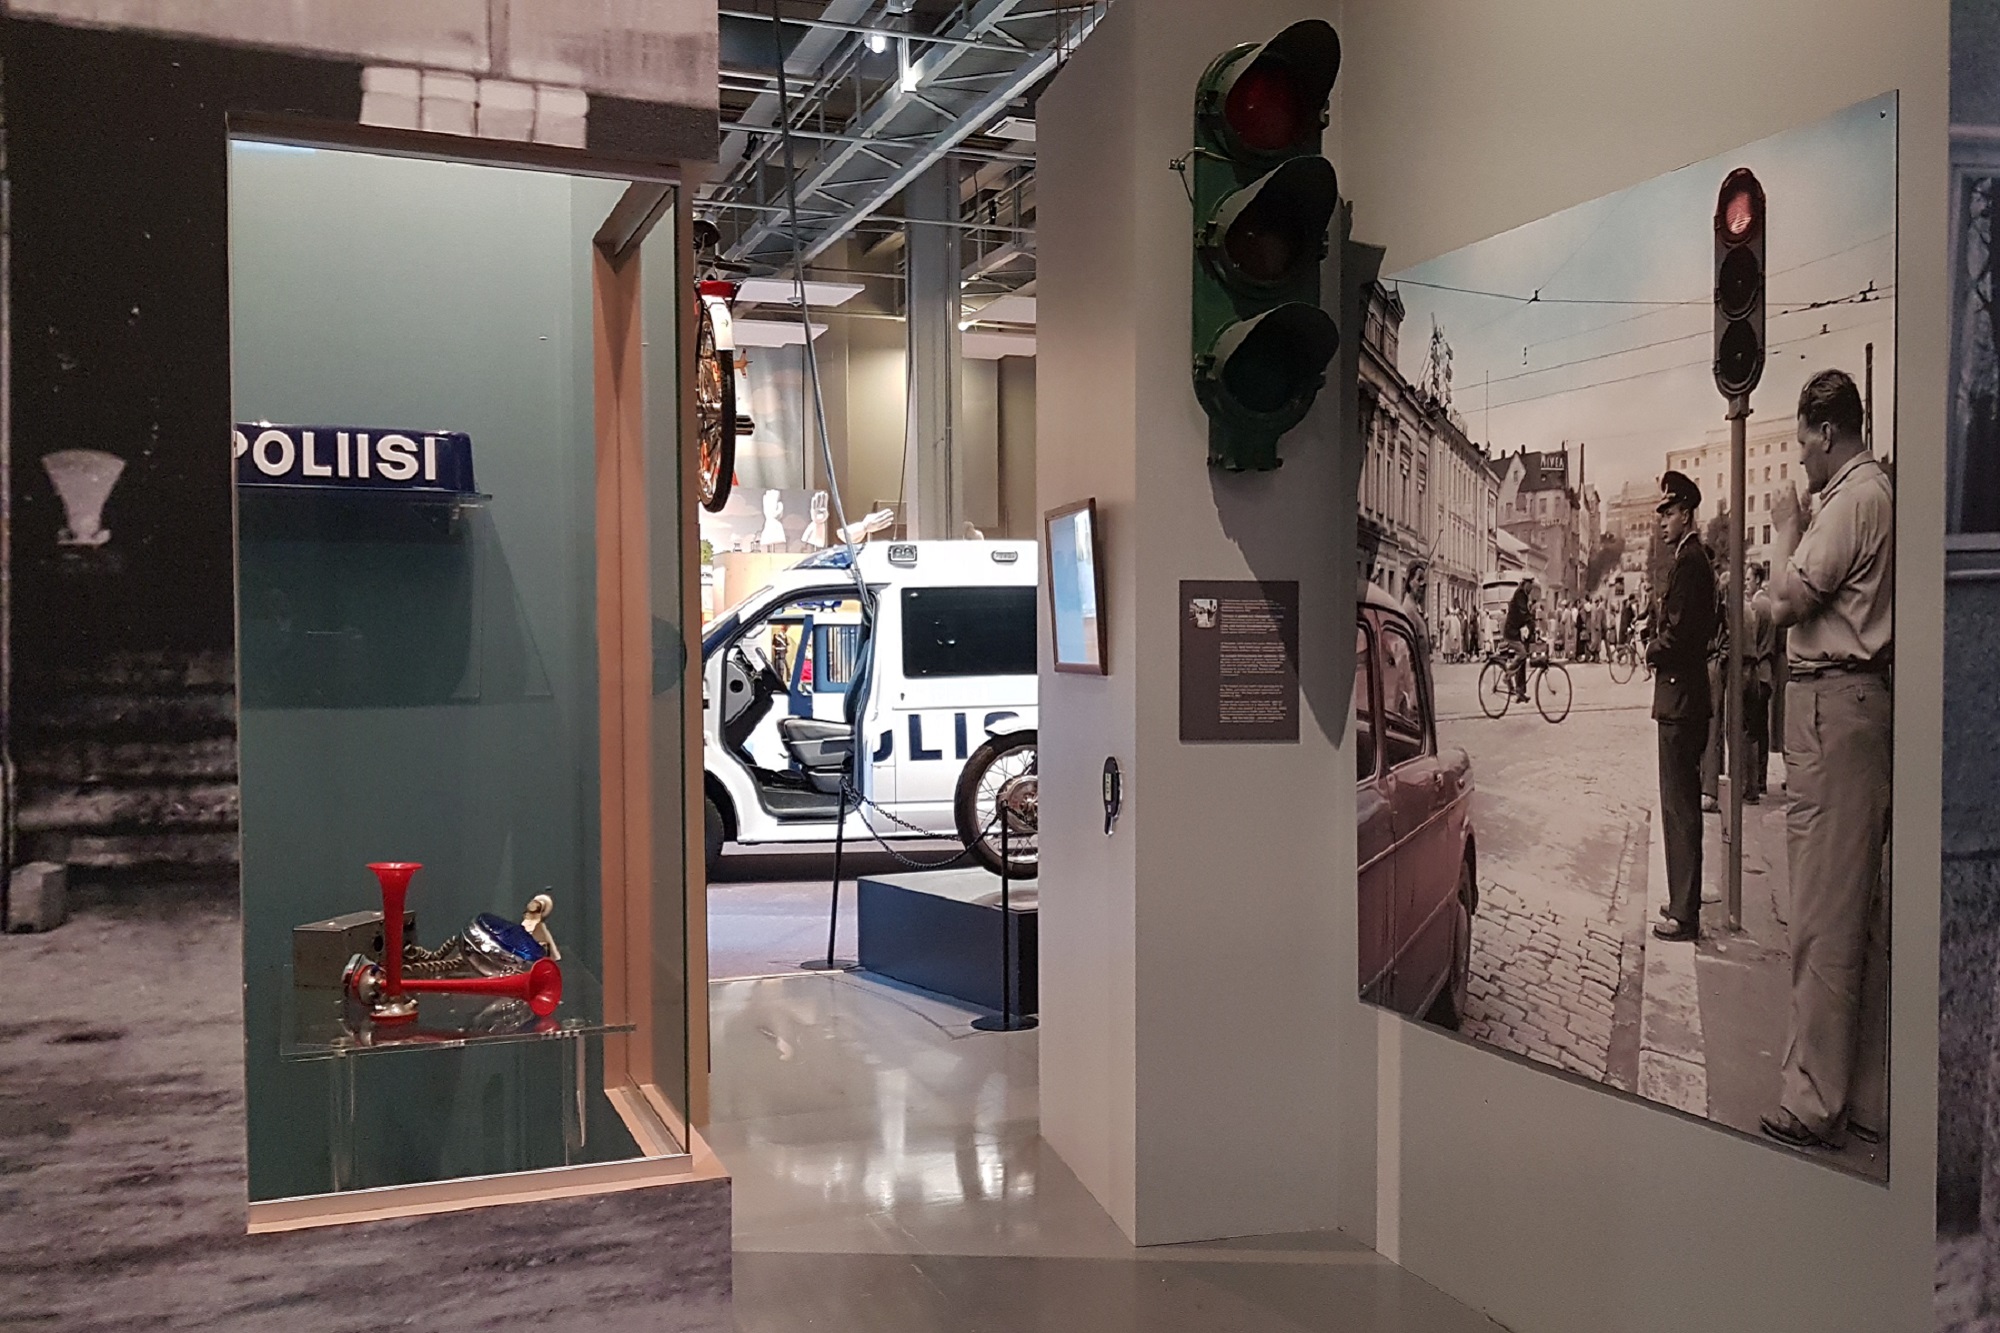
1682 633
1520 618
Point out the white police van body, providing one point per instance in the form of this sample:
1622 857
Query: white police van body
952 664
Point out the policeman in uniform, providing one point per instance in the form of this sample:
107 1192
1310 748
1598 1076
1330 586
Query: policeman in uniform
1834 586
1683 627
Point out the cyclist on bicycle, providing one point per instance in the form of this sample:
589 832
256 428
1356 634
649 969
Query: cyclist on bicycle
1520 628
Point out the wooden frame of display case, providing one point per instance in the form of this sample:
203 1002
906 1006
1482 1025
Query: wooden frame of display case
668 1135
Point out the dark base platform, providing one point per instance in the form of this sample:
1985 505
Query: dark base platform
940 929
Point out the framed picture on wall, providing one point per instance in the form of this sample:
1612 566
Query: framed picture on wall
1076 587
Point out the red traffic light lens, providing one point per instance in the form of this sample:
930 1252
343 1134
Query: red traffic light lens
1739 208
1264 109
1739 215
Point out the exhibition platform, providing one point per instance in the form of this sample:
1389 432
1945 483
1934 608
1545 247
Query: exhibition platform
941 930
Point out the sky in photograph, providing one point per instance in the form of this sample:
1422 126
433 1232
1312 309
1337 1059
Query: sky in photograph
1616 352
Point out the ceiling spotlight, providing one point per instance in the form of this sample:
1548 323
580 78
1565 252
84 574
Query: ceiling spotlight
877 43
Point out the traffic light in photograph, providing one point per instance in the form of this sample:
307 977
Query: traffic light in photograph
1263 199
1739 284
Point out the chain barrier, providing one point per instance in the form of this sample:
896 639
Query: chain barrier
862 805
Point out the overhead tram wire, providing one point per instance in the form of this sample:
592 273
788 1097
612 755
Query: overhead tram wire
1648 314
1866 296
1678 365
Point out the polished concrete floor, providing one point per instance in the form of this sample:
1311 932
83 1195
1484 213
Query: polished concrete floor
890 1176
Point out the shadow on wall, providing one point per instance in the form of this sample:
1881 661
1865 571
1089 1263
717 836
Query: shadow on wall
1242 499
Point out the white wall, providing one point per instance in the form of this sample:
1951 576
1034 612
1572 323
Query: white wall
1205 1068
1191 964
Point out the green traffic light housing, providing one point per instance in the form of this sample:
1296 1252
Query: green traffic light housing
1264 198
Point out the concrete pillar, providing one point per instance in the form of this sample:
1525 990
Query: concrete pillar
933 484
1196 965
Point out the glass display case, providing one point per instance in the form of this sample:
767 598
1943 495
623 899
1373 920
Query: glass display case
461 572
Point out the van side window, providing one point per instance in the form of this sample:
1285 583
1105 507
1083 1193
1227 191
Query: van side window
968 631
1402 698
1364 706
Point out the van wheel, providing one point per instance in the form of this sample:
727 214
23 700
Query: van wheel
1001 770
711 835
1448 1009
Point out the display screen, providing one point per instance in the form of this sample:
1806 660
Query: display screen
1075 582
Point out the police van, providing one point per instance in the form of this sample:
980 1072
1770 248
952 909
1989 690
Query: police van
938 690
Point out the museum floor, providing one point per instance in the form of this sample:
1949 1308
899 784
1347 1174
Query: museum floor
890 1176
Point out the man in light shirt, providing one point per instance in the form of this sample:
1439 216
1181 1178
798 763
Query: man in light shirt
1833 585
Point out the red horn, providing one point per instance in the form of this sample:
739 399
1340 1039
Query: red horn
540 986
394 877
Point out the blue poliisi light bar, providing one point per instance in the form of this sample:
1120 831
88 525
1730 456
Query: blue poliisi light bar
353 458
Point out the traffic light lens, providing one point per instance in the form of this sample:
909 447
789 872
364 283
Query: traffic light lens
1736 357
1737 283
1264 110
1264 378
1278 362
1262 249
1739 214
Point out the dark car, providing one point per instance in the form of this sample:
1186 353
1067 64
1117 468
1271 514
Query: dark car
1418 878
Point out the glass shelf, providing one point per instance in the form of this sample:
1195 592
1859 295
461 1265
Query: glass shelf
321 1024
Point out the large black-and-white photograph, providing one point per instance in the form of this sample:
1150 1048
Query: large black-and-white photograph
1968 1166
1624 784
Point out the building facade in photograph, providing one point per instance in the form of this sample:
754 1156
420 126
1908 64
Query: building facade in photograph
1540 505
1770 465
1632 518
1429 497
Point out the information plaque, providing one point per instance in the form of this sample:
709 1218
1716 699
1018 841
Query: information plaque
1239 660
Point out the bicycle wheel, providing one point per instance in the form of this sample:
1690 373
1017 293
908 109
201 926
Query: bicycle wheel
715 415
1552 692
1623 665
1496 691
1003 769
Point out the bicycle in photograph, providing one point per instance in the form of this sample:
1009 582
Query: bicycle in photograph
1548 682
1623 661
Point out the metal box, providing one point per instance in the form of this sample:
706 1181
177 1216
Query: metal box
320 949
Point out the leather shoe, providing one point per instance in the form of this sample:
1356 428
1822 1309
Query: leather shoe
1710 806
1676 931
1787 1129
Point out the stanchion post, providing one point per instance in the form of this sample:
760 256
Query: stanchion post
1008 1021
829 963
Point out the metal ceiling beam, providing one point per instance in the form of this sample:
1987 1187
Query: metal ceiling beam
828 136
958 90
805 61
891 34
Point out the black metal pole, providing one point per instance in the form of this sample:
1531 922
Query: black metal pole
1006 954
828 964
1008 1021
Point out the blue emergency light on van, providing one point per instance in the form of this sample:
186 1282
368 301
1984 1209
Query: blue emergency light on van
353 458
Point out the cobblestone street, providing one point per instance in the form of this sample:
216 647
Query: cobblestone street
1543 985
1561 815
